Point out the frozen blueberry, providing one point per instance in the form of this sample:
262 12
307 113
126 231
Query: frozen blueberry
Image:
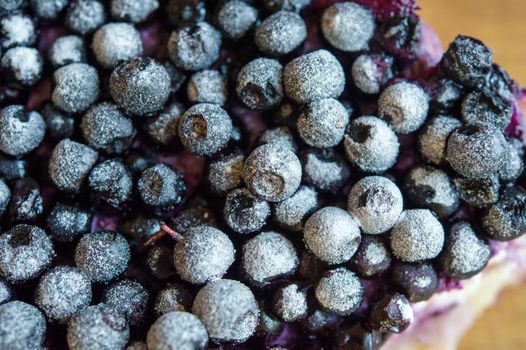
313 76
17 30
11 169
26 202
106 128
245 213
129 298
467 61
76 87
280 33
444 94
286 114
417 235
48 10
393 313
267 256
98 327
268 323
207 86
371 145
479 107
477 151
84 16
339 291
355 335
177 330
62 292
429 187
173 298
290 303
23 65
371 72
228 310
66 222
161 187
404 106
506 219
375 202
324 169
287 5
21 130
160 261
111 181
259 84
372 256
464 253
67 49
70 164
5 196
348 26
514 166
102 256
23 326
114 43
140 227
205 129
11 5
322 123
272 172
59 124
432 139
478 193
292 212
140 86
195 47
162 128
332 235
25 251
132 10
5 292
225 173
193 217
235 18
318 321
184 12
418 281
204 253
280 135
401 35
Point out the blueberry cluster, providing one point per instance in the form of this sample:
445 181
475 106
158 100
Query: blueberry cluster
184 174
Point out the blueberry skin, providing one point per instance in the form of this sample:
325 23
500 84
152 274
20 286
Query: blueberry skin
21 131
23 326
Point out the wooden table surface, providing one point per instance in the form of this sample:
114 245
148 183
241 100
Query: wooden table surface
501 25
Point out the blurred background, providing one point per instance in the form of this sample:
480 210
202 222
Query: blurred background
501 25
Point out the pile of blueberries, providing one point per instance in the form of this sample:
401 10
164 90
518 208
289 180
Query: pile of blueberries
236 174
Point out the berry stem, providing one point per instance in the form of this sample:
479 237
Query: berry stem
165 230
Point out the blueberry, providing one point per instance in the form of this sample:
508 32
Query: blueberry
5 196
236 18
76 87
332 235
21 131
5 292
236 312
292 212
432 139
67 49
467 61
245 213
26 201
418 281
62 292
203 254
25 252
429 187
17 29
313 76
66 222
259 84
280 135
514 167
268 323
140 86
177 330
464 253
114 43
400 36
48 10
102 256
290 303
23 65
280 33
354 335
129 298
477 151
162 128
371 72
287 5
498 82
272 172
98 327
375 202
59 125
348 26
372 257
205 129
195 47
193 217
318 321
70 164
324 169
506 219
11 5
161 187
159 262
225 173
404 106
173 298
23 326
479 107
133 11
417 236
84 16
322 123
371 145
111 182
184 12
445 94
177 76
339 291
393 313
478 193
11 169
267 256
207 86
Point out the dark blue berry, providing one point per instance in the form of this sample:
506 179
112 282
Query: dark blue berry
478 193
60 125
76 87
161 187
26 202
67 49
114 43
185 12
160 262
280 33
506 219
417 281
21 130
259 83
173 298
324 169
132 10
177 330
129 298
393 313
111 182
479 107
48 10
372 256
245 213
84 16
22 65
23 326
66 222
